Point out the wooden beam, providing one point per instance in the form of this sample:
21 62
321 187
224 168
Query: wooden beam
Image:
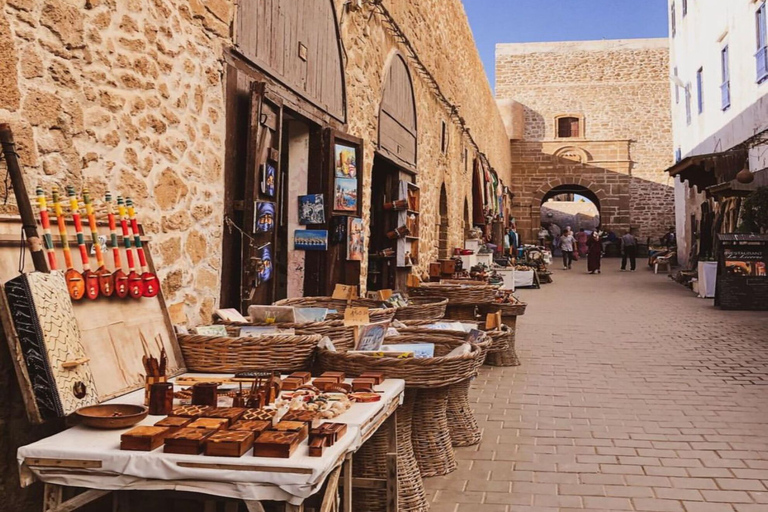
78 501
62 463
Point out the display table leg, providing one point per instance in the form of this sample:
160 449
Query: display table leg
53 499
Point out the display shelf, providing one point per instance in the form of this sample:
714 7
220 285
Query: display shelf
408 246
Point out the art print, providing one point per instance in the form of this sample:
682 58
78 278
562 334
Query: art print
265 272
311 209
355 239
268 174
264 220
345 161
339 229
345 195
310 240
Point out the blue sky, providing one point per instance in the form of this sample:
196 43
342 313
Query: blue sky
527 21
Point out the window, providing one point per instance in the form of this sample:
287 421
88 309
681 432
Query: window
677 88
725 87
688 103
678 155
685 8
762 52
443 137
700 89
673 20
568 127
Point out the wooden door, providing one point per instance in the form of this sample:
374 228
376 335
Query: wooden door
262 192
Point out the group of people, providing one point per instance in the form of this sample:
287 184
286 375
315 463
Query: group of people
592 245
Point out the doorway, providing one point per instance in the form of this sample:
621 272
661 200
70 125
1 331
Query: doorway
571 205
382 270
442 228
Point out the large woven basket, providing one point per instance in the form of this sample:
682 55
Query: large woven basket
506 357
500 338
507 310
461 312
417 373
343 337
214 354
422 308
376 312
455 293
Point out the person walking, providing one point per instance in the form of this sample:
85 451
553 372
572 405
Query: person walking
594 252
582 237
543 235
567 243
628 251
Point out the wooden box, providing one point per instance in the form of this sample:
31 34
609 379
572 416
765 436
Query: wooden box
339 376
229 443
174 422
255 426
292 383
304 416
258 414
144 439
304 376
231 414
191 411
276 444
435 269
188 441
377 376
293 426
210 423
317 445
361 384
448 266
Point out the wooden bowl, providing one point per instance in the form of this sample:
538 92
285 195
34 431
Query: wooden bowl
109 416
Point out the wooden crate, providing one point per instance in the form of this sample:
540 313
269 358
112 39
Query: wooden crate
229 443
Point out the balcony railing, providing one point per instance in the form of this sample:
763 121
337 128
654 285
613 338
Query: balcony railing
762 64
725 94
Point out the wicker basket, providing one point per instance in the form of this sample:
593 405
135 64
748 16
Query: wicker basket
506 357
507 310
463 312
422 308
417 373
214 354
462 423
455 293
376 313
343 337
500 338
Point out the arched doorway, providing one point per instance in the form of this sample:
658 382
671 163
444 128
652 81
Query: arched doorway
442 228
571 205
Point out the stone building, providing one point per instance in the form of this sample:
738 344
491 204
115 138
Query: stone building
590 118
188 107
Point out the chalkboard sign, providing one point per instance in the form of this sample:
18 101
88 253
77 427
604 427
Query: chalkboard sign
742 279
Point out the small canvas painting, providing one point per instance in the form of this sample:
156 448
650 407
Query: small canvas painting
310 239
265 273
264 220
346 161
311 209
371 336
268 173
338 230
345 195
355 239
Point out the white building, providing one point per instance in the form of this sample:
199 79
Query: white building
719 77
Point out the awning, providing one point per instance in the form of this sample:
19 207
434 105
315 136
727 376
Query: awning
734 188
702 171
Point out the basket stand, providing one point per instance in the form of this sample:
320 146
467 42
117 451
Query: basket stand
506 357
411 495
461 420
431 436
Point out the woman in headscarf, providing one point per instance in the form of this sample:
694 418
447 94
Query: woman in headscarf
581 238
594 251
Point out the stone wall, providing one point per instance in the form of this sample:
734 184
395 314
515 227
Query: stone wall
621 88
128 96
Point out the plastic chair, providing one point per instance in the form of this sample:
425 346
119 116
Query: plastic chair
664 260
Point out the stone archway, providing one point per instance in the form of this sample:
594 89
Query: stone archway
558 186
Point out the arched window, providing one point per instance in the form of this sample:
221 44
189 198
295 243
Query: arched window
569 127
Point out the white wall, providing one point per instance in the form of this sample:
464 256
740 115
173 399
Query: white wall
700 37
298 163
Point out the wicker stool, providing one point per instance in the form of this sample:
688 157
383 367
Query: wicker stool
431 436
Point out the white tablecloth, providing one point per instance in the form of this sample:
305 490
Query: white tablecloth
246 477
707 278
523 278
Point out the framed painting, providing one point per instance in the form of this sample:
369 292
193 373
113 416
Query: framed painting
310 239
345 169
311 209
355 239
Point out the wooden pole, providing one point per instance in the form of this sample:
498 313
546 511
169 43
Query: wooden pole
28 220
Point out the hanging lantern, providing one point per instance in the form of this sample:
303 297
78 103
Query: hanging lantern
745 175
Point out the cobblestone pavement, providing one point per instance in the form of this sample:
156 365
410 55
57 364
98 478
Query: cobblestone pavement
632 395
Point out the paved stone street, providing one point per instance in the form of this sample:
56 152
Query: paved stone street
633 395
